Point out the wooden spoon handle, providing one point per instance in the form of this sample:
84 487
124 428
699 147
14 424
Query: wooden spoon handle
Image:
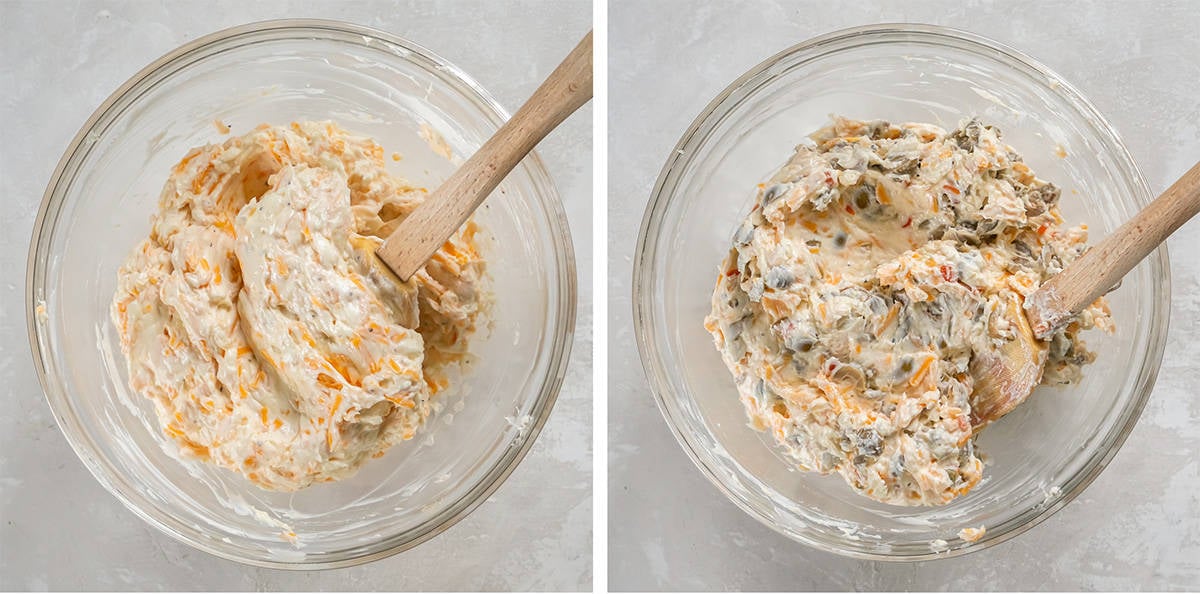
1100 268
420 234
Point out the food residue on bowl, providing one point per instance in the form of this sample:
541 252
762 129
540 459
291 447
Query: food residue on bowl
436 142
972 534
257 319
874 266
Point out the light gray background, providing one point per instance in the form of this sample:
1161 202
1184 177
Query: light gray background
1136 527
58 528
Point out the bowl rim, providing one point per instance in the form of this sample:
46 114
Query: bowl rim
654 362
559 347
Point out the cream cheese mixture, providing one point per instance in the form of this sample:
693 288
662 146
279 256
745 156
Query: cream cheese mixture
259 322
873 267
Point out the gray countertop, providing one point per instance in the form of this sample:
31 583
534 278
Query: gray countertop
1137 527
58 528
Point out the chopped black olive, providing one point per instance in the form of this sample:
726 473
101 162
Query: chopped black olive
907 167
774 192
800 344
825 196
779 278
877 305
735 330
862 198
737 301
878 128
868 441
744 234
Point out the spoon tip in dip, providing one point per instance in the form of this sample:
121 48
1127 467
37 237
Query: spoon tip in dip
1004 378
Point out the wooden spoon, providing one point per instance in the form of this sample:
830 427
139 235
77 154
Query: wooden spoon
1004 382
427 228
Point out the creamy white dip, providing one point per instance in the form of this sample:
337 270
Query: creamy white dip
258 321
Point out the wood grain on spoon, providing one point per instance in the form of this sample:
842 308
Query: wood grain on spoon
1005 378
1004 382
427 228
1099 269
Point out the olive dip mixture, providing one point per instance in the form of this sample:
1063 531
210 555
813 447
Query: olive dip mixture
874 265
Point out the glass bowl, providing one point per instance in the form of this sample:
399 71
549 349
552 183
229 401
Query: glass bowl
97 207
1040 456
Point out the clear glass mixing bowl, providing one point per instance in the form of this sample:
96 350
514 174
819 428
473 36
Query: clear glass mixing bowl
1043 454
97 208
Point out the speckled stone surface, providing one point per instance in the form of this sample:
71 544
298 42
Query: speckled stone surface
1137 527
59 529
